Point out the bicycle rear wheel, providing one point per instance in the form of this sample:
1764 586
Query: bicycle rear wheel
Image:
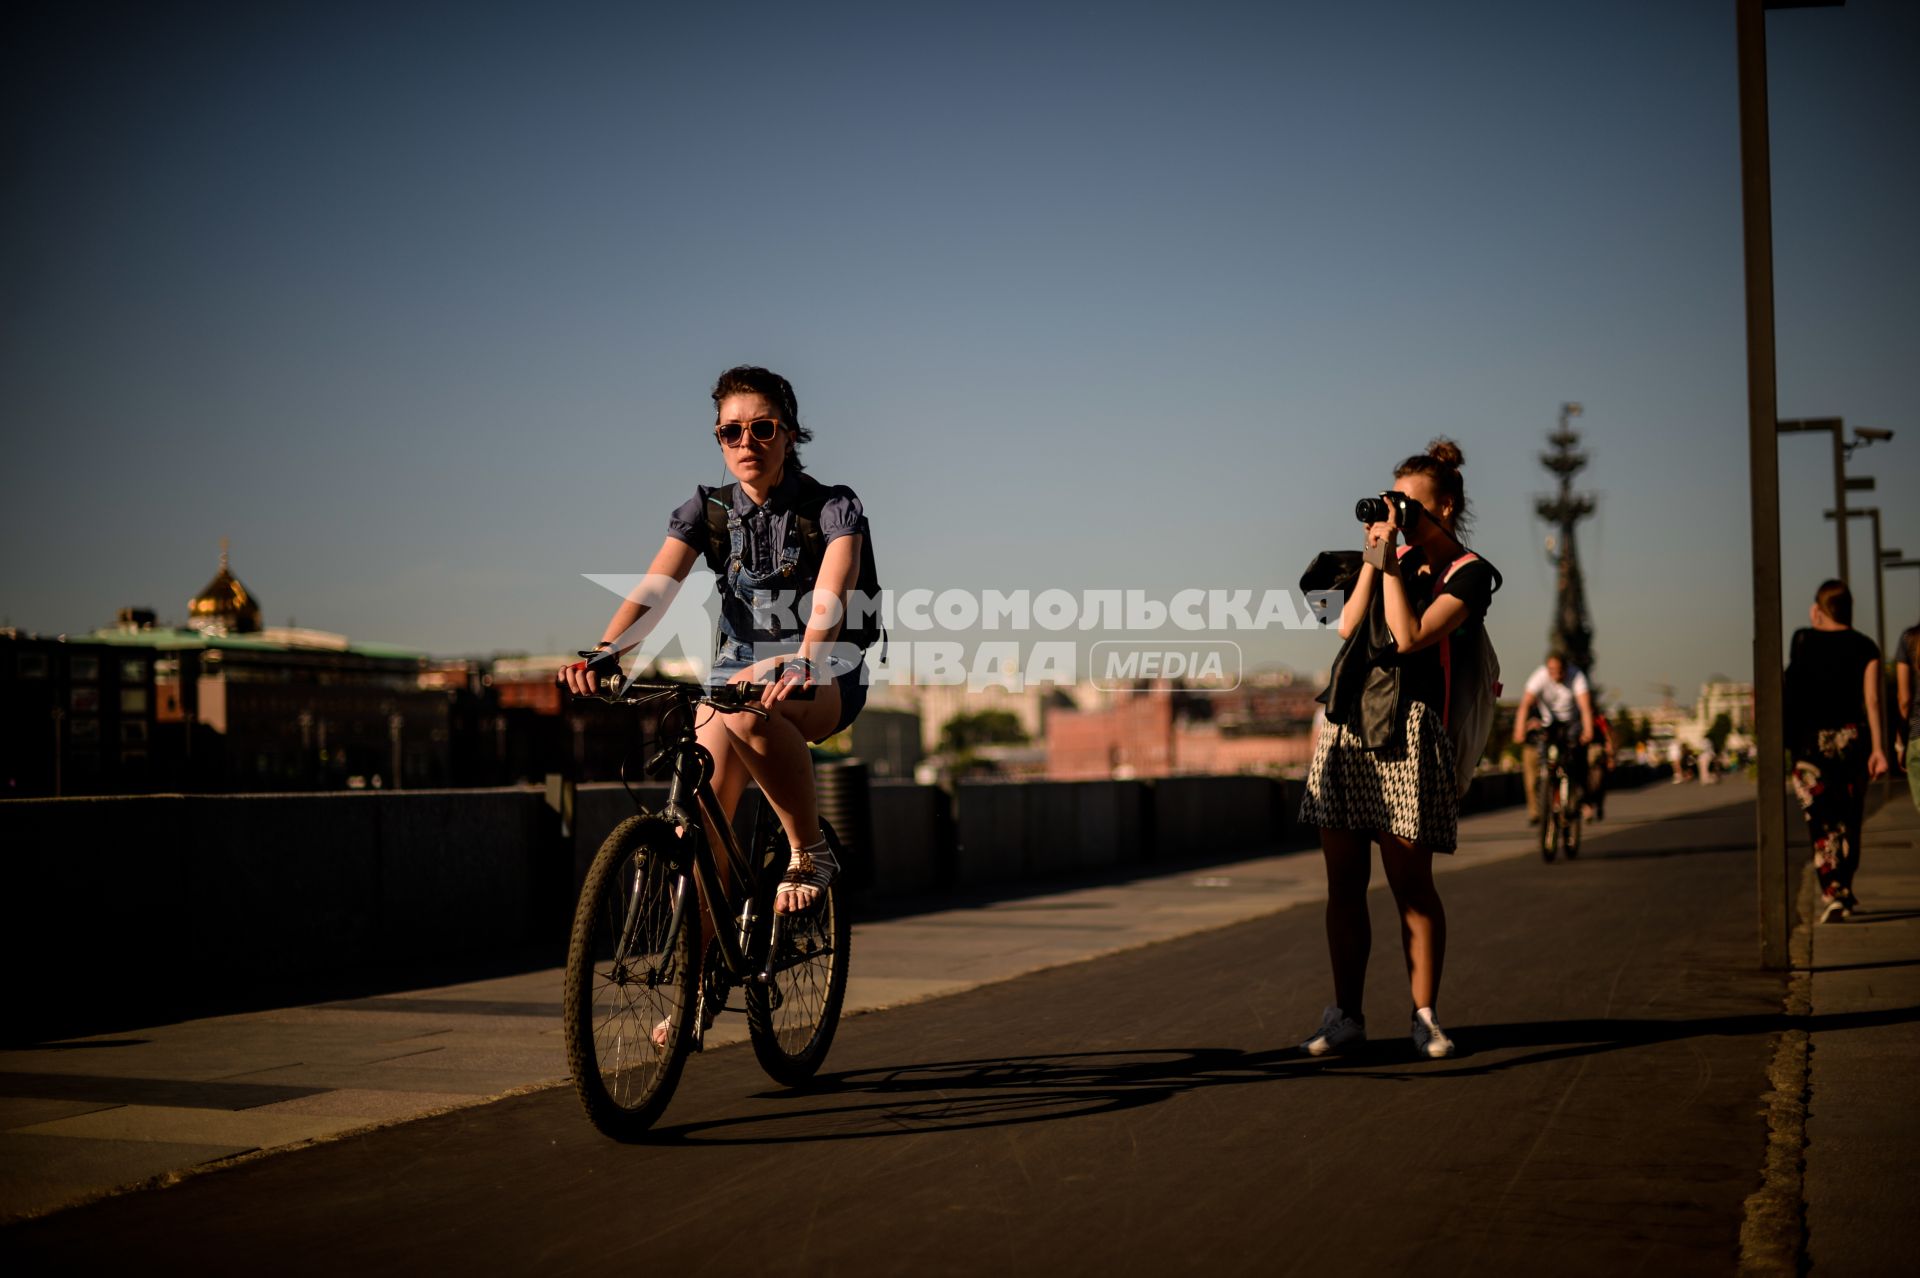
792 1021
628 971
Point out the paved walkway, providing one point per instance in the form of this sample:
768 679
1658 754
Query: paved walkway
1617 1109
86 1117
1863 1111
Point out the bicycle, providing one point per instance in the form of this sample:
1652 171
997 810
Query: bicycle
641 986
1560 797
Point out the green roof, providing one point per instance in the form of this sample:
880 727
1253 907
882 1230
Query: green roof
185 639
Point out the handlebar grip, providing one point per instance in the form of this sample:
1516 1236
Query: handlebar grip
748 694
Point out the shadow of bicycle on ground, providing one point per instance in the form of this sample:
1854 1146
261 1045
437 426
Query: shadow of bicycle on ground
1005 1091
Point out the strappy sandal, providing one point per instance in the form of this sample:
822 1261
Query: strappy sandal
708 1015
808 874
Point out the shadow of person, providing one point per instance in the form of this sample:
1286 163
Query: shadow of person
964 1095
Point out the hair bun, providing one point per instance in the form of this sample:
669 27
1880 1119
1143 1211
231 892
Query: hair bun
1447 453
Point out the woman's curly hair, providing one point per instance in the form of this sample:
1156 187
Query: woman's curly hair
751 379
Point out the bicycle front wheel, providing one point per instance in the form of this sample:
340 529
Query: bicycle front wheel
631 977
793 1019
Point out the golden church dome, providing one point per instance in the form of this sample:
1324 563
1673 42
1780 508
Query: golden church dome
225 606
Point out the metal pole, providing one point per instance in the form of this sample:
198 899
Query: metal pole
1763 478
1879 574
1840 498
1898 563
1879 587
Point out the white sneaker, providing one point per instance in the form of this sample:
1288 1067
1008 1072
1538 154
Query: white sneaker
1337 1032
1428 1038
1831 908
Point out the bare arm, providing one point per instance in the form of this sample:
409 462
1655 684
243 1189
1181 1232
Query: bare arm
1521 718
1877 761
1585 700
673 562
839 572
1903 688
1410 633
675 559
1355 610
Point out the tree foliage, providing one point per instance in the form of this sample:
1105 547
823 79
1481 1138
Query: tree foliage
966 732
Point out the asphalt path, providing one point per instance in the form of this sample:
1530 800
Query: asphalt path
1142 1112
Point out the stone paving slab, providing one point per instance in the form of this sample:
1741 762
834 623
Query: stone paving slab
299 1074
259 1128
42 1173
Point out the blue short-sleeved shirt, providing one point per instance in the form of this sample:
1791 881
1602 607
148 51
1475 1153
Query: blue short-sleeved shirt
766 529
766 526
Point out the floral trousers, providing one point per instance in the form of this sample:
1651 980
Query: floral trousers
1830 780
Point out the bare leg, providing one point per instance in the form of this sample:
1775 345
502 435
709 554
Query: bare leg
774 749
1423 920
1349 857
729 777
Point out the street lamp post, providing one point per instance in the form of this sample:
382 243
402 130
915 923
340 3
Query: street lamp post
1879 573
1893 559
1763 479
1795 425
1842 485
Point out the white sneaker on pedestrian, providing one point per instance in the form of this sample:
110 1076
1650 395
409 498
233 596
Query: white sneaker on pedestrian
1428 1038
1337 1032
1831 908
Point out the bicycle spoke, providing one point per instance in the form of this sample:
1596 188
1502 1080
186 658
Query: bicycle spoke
627 972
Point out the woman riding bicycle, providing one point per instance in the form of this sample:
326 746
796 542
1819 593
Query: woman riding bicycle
1399 792
753 529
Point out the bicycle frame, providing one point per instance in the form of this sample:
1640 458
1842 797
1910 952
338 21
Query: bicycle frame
692 806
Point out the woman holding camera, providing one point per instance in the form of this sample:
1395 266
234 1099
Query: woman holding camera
1400 791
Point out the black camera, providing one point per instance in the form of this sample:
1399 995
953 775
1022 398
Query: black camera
1373 510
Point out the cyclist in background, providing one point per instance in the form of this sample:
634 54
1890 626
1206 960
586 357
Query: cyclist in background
1557 704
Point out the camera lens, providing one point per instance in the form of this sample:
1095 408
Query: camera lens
1370 510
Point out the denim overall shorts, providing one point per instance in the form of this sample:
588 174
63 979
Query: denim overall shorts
739 588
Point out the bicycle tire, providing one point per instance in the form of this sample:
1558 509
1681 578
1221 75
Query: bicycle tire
792 1023
624 1080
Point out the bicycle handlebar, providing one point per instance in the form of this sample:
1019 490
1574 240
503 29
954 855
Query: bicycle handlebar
727 698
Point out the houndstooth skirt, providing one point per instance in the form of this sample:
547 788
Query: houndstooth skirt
1407 790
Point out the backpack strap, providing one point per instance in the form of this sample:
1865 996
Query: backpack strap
806 521
719 540
1467 558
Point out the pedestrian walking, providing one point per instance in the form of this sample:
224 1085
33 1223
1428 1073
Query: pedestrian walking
1834 733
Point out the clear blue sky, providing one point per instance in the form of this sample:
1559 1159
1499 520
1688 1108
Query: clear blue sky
419 303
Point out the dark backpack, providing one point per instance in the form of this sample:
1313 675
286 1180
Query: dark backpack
862 633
